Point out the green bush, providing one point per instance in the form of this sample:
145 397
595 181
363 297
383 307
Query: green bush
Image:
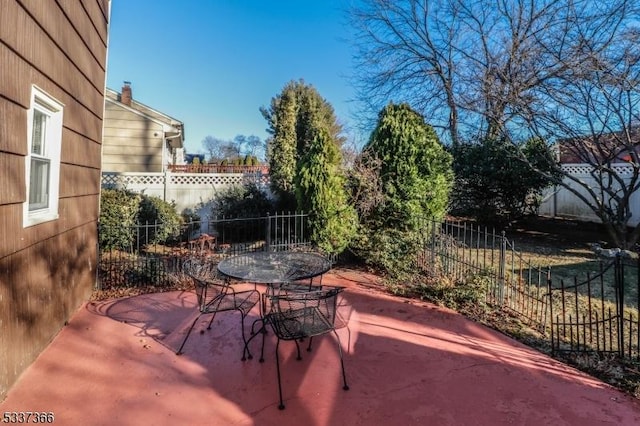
163 215
241 201
494 185
118 214
321 192
246 200
122 212
413 179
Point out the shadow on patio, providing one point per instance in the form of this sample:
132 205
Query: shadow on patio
407 362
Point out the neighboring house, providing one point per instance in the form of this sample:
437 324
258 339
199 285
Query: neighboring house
52 80
612 147
138 138
579 158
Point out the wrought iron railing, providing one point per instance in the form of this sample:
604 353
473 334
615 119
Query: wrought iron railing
142 260
591 314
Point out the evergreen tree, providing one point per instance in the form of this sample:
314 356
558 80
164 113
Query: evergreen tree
414 173
321 192
281 146
294 118
415 169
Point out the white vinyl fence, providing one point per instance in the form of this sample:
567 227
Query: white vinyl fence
187 190
560 202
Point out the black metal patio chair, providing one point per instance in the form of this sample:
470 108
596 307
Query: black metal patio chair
216 294
296 315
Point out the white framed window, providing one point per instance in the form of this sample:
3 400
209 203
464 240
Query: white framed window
42 164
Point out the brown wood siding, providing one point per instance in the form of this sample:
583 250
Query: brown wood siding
77 181
41 50
76 116
41 286
48 270
12 189
78 53
76 149
73 211
13 129
95 40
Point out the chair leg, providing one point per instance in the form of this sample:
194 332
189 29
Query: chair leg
309 347
298 349
211 322
281 406
345 386
262 348
179 352
246 354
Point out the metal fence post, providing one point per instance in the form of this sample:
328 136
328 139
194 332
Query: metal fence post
619 287
502 268
551 320
267 237
433 244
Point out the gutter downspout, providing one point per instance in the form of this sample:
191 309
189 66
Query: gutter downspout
165 170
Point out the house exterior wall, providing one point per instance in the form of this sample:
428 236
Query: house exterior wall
131 142
48 270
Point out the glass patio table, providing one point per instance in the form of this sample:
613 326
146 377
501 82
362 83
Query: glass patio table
274 267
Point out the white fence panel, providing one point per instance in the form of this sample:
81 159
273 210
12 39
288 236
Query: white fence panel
187 190
560 202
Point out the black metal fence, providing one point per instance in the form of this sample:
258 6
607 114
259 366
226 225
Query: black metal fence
597 313
459 250
144 261
591 315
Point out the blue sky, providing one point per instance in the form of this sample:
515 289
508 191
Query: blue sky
213 63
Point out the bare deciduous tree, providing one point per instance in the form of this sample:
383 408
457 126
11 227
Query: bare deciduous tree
559 69
220 149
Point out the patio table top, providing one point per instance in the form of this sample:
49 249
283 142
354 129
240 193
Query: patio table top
274 267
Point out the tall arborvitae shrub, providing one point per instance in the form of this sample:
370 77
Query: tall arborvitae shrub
416 177
294 118
320 190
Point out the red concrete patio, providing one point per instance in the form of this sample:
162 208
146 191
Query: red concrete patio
407 363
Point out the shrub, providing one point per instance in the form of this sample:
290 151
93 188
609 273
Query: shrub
241 201
408 174
121 213
246 200
118 214
163 215
320 191
494 185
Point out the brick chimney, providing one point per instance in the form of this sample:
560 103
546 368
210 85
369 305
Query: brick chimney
125 97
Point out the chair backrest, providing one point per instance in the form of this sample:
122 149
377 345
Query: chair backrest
208 284
298 314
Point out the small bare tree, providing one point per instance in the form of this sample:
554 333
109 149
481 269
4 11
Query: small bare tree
594 111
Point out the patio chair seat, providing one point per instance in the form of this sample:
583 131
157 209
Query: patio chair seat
295 315
215 295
